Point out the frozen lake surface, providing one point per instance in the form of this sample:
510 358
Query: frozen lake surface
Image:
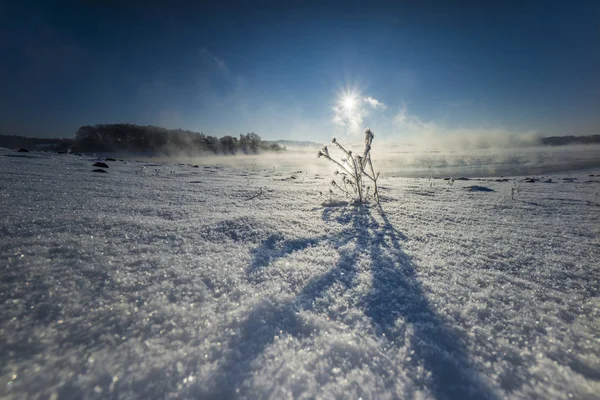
160 280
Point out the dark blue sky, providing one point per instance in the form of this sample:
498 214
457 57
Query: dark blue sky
303 70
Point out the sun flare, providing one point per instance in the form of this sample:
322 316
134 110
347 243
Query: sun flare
349 102
349 109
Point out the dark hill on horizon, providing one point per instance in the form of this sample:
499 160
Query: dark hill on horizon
564 140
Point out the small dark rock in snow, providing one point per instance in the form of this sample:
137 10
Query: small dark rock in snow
23 150
110 159
475 188
462 178
101 165
100 170
196 166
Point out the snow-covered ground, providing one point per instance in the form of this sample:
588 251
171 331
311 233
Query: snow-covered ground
168 281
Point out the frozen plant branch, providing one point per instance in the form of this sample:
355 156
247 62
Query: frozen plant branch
354 173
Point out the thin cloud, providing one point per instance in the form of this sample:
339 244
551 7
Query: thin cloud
431 135
374 103
351 112
412 122
218 63
214 71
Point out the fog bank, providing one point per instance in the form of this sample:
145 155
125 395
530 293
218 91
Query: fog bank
408 161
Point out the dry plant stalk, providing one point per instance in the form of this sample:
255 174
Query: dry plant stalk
358 178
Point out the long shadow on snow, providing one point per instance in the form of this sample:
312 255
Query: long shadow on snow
395 302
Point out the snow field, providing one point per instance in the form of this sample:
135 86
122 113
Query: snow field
167 281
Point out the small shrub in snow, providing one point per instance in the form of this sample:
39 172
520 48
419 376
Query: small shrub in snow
358 178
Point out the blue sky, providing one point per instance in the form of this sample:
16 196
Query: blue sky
301 70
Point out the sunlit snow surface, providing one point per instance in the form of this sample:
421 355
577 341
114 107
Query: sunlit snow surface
167 281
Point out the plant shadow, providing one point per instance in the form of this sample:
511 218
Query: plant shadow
394 305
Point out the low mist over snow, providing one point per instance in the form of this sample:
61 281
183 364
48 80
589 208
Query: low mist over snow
405 160
158 280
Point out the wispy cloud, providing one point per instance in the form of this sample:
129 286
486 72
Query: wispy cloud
374 103
412 122
211 88
432 135
352 110
214 75
212 60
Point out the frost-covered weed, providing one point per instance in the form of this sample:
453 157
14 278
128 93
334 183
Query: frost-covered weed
354 173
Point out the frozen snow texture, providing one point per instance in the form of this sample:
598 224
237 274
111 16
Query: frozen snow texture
167 281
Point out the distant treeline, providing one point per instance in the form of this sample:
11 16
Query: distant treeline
563 140
136 138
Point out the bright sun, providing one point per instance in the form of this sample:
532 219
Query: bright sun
348 109
349 102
